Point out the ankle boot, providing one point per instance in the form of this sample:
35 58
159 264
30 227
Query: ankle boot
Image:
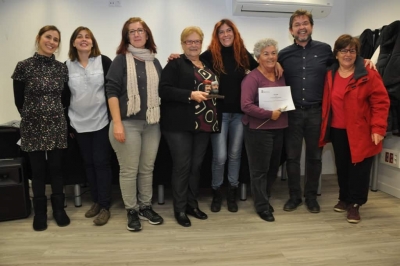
216 201
231 199
40 218
59 214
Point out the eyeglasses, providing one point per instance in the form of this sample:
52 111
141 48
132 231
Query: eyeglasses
344 51
138 31
190 42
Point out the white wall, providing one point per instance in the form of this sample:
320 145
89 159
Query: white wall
20 20
372 14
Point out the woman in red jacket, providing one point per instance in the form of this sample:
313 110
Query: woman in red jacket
354 118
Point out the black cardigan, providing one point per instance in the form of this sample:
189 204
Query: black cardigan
176 85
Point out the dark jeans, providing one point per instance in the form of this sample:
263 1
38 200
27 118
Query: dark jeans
41 167
96 153
353 178
264 148
187 151
303 124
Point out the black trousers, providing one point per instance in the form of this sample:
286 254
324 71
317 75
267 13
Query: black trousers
95 148
353 178
187 152
46 165
264 148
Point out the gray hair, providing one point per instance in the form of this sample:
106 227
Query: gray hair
261 44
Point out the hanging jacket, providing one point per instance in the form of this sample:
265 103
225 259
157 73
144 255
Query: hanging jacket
366 105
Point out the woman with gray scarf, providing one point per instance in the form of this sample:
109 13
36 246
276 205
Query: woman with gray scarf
132 92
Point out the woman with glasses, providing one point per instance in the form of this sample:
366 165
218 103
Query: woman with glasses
132 91
354 118
188 116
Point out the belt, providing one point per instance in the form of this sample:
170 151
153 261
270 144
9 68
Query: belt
305 107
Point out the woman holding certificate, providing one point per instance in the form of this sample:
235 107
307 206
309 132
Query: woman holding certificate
263 129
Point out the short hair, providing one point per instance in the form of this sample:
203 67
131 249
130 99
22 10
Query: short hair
261 44
298 13
43 30
124 44
73 52
189 30
345 40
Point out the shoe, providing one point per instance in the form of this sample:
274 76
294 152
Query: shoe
341 206
59 214
93 211
102 218
271 209
292 204
313 206
231 199
266 216
133 221
216 201
197 213
146 213
353 214
182 219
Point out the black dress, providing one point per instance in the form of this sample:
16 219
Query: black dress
43 124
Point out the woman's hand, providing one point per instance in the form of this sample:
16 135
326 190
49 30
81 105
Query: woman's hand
376 138
276 114
119 133
172 57
199 96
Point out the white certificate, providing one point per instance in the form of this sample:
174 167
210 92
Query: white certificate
273 98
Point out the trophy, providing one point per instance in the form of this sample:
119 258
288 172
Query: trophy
212 89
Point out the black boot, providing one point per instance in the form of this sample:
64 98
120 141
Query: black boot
216 201
231 199
59 214
40 218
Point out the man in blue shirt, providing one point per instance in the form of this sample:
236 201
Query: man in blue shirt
305 63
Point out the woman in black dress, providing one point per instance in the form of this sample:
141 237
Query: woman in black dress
39 83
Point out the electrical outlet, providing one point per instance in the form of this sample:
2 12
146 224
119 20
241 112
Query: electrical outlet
390 157
115 3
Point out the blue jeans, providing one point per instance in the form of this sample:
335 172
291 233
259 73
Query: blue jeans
303 124
264 148
224 149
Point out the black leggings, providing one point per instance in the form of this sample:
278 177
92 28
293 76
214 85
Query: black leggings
42 167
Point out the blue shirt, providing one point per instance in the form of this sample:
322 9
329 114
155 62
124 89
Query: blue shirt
305 69
88 108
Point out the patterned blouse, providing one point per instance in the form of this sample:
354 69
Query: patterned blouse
205 111
43 124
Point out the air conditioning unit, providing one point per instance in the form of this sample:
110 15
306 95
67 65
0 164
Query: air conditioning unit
280 8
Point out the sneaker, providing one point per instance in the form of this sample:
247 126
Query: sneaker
102 218
313 206
93 211
146 213
133 221
353 215
341 206
292 204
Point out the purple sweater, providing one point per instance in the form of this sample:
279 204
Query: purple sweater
254 116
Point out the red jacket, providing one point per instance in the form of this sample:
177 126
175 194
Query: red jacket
366 107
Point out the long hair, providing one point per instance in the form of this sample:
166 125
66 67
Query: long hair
239 50
73 52
123 46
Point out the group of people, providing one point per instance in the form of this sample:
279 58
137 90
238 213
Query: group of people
346 105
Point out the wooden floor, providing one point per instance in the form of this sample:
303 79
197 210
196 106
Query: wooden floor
242 238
